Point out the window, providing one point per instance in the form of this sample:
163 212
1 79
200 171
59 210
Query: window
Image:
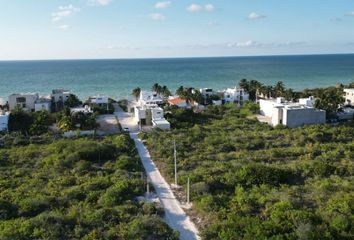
20 99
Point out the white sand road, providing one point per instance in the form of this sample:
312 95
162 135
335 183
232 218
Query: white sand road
174 214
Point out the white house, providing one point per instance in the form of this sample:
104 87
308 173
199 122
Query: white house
43 104
349 96
148 98
99 100
235 95
177 101
86 109
4 121
291 114
26 101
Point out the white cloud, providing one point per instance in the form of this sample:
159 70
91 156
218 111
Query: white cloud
209 7
63 27
244 44
255 16
64 11
161 5
350 14
199 8
99 2
157 16
194 8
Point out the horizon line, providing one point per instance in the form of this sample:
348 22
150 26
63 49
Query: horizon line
181 57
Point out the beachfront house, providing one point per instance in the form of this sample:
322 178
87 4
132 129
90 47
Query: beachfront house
349 96
59 97
148 98
4 121
279 112
151 116
100 101
235 95
43 104
148 112
177 101
26 101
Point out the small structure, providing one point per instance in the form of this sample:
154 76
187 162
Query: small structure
207 92
43 104
277 111
86 110
100 101
349 96
177 101
4 121
235 95
310 101
26 101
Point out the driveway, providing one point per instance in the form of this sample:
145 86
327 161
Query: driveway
175 216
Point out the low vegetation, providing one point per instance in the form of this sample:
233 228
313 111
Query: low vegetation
252 181
76 189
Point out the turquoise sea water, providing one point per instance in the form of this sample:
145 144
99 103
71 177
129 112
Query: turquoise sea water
117 78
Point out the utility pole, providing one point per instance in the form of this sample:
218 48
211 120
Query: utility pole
147 186
175 158
188 189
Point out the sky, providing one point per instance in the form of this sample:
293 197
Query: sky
91 29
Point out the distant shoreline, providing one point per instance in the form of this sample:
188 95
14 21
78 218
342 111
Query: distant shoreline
176 58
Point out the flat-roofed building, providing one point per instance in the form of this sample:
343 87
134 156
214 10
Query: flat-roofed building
279 112
26 101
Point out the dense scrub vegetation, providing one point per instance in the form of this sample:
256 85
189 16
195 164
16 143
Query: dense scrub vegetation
76 189
252 181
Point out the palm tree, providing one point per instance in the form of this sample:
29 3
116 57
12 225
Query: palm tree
136 93
180 91
156 87
279 89
165 92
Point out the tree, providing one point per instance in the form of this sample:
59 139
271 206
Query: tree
329 99
20 120
279 89
72 101
165 91
41 123
136 93
65 124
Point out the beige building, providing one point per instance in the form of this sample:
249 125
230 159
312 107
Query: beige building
26 101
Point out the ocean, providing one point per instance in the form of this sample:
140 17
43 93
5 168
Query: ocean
117 78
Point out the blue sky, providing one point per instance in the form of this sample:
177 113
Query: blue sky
66 29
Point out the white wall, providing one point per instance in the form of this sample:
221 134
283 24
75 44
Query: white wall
42 106
266 107
305 116
349 96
